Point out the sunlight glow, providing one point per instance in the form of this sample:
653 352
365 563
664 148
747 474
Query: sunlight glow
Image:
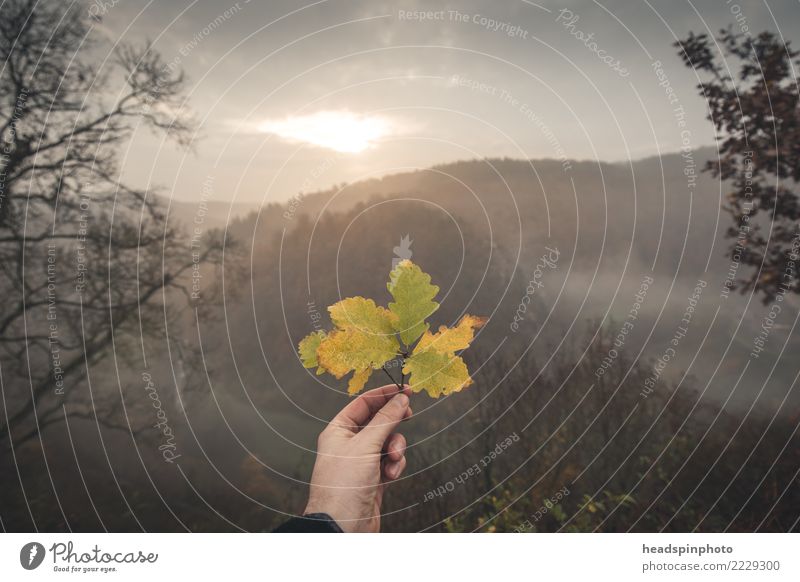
341 131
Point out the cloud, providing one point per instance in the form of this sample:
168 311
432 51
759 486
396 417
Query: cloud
342 131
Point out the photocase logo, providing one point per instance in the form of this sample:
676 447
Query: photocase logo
402 251
31 555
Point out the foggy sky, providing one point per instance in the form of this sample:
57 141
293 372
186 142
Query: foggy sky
544 94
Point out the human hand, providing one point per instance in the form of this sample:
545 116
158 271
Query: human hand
357 454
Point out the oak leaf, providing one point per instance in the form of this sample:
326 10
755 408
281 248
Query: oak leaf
413 300
365 338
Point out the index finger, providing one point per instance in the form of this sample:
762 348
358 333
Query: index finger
361 410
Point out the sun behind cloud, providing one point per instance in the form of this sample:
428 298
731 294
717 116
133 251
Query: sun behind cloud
342 131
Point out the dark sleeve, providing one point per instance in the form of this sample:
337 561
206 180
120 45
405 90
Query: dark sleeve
310 523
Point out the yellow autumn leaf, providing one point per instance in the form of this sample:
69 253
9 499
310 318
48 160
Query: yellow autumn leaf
346 350
358 381
363 315
451 339
433 364
365 338
438 374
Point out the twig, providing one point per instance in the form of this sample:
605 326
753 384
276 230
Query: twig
403 356
399 387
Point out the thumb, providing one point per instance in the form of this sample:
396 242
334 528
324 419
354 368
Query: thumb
385 421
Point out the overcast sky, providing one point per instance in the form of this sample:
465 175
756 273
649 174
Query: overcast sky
293 96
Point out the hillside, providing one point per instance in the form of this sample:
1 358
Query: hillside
613 224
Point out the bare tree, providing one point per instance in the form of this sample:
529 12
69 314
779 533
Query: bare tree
87 262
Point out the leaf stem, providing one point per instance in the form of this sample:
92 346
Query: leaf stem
403 356
399 386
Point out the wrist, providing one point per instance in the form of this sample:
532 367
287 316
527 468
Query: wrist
310 523
327 507
325 521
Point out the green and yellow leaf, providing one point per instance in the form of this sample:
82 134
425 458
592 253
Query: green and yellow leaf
433 364
365 337
346 350
308 349
413 300
451 339
437 373
363 315
358 381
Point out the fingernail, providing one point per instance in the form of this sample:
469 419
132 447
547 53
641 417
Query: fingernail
402 400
